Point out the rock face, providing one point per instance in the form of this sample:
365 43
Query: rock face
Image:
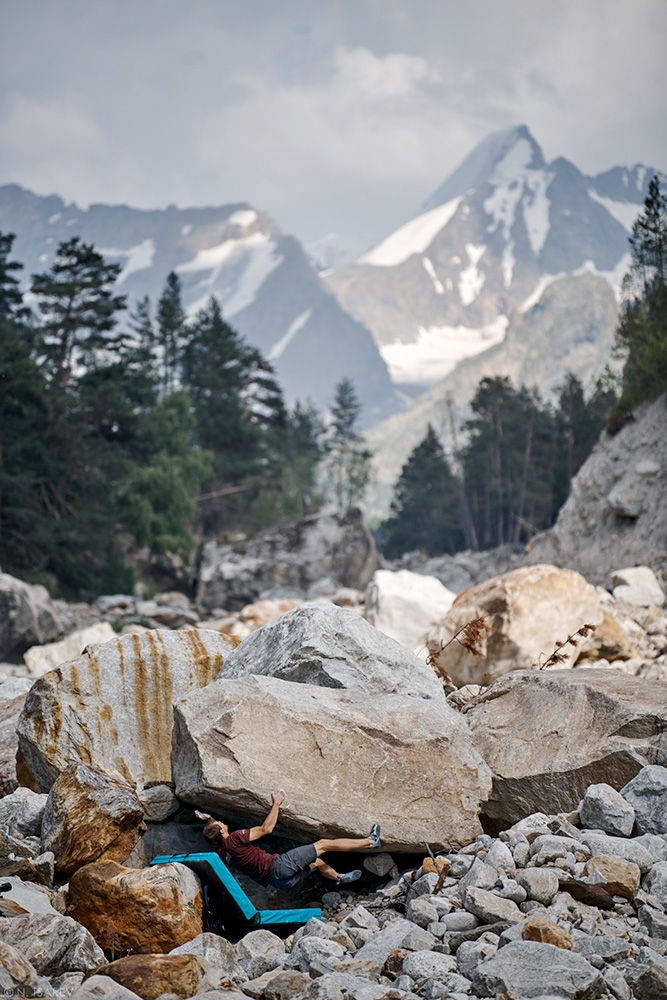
332 647
21 813
9 743
90 816
529 611
406 605
647 795
292 558
27 616
148 910
547 735
40 659
525 968
616 513
111 707
150 976
52 943
347 759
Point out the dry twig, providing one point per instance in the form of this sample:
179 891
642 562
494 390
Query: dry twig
471 636
558 656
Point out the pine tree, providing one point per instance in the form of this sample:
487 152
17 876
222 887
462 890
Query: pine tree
303 452
641 334
170 331
348 461
11 299
426 507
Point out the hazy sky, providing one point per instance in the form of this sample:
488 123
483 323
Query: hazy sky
337 116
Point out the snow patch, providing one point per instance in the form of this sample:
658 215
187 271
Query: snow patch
138 258
536 208
430 270
186 230
292 330
641 174
252 257
507 263
414 237
438 349
624 212
471 279
54 218
614 277
244 217
516 182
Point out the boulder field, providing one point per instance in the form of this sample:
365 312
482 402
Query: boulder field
524 822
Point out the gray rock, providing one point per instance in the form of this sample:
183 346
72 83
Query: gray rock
637 585
428 965
21 813
648 977
619 847
379 747
654 844
461 863
550 848
158 802
491 908
607 946
289 560
656 882
332 647
603 808
309 951
316 928
471 953
360 917
379 864
418 939
616 984
385 941
421 911
654 921
647 794
14 687
29 896
500 856
83 711
460 920
324 987
448 985
101 986
255 951
52 943
28 617
507 888
527 968
216 950
480 876
10 712
549 734
541 884
423 886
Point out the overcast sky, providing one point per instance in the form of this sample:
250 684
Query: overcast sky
336 116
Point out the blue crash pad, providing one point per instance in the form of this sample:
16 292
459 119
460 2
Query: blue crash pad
212 869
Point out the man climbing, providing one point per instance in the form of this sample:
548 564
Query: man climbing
281 870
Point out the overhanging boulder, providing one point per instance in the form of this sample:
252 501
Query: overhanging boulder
346 759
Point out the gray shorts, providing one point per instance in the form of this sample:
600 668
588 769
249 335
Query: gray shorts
293 866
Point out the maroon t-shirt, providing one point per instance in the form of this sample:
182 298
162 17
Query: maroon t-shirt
250 860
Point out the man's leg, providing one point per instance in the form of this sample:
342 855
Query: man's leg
324 869
343 844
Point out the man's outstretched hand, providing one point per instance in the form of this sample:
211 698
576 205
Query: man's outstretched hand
279 796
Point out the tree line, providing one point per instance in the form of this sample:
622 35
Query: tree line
513 474
147 434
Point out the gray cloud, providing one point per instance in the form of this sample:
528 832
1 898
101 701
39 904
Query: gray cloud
336 118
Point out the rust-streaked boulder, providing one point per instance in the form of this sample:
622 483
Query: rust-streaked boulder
146 910
90 816
149 976
529 611
348 757
112 707
547 735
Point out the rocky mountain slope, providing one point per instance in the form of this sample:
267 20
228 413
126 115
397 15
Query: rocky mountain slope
263 279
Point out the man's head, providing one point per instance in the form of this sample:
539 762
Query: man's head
214 829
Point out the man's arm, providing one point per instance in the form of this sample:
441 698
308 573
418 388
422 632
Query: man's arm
269 823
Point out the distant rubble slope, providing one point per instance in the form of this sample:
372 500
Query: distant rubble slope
581 309
265 283
616 513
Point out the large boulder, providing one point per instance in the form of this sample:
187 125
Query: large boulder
52 943
290 558
27 616
151 976
526 968
332 647
647 795
345 757
406 605
147 910
637 585
40 659
112 707
547 735
21 813
528 611
90 816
